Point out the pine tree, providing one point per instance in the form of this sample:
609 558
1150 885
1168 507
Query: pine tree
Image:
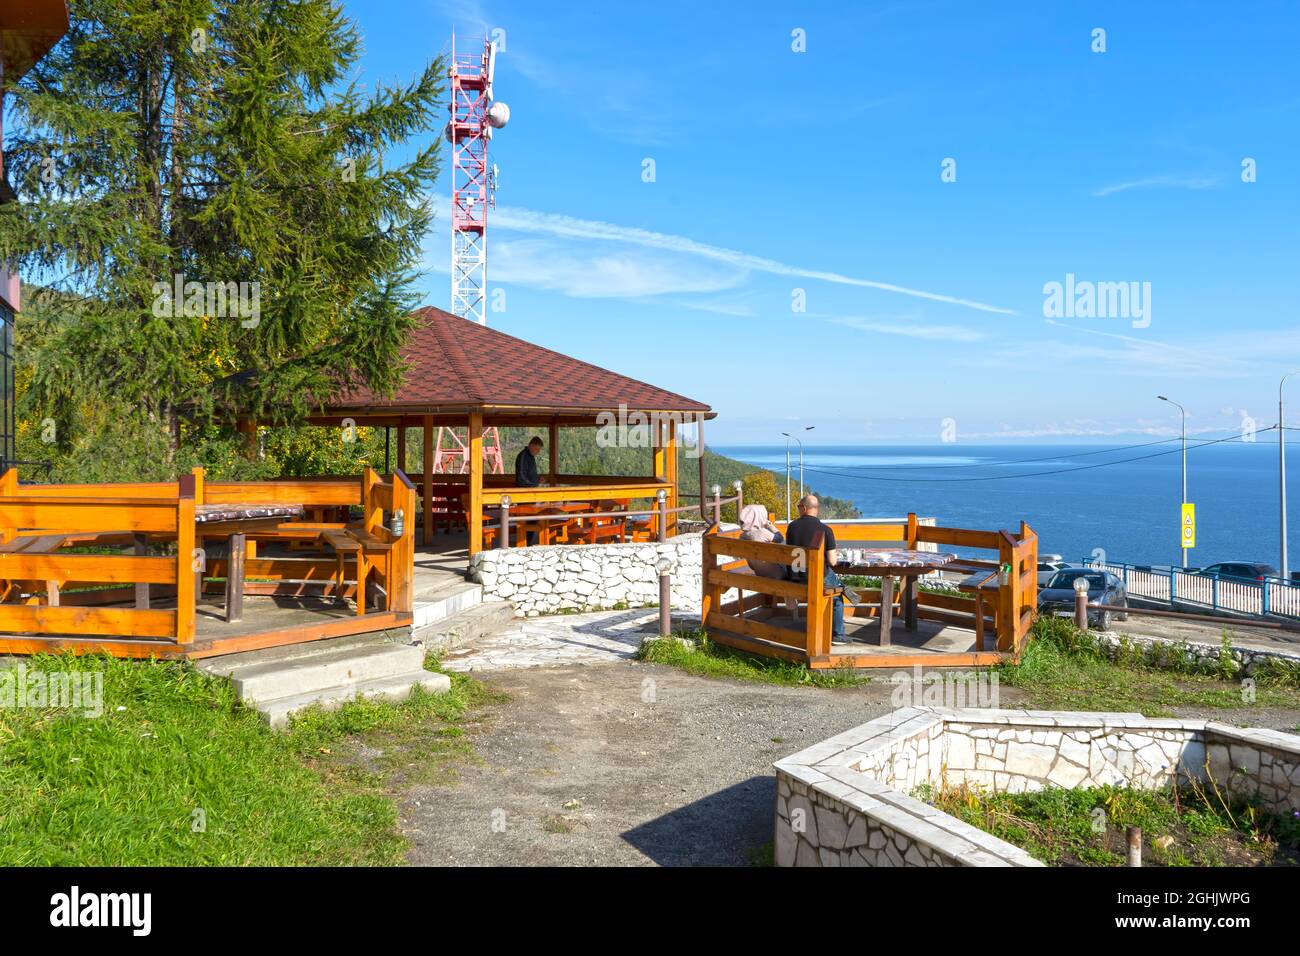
224 142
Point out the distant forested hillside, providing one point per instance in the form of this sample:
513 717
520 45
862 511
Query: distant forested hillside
581 455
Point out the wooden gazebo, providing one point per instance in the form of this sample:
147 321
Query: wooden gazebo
465 375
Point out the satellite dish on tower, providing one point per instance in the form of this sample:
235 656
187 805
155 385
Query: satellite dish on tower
498 115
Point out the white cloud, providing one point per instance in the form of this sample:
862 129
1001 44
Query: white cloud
568 227
1159 182
606 274
910 328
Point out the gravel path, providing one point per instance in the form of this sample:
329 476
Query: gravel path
638 764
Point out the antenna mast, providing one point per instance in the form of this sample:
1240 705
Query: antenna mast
474 115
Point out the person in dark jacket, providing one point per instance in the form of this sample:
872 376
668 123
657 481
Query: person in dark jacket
809 531
526 474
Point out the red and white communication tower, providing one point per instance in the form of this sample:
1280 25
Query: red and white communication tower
474 115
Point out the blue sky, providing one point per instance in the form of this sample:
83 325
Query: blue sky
778 170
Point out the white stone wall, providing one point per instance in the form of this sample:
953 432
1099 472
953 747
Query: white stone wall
846 802
589 577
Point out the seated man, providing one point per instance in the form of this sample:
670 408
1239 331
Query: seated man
808 532
526 474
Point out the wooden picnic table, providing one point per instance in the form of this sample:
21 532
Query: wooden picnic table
889 564
233 522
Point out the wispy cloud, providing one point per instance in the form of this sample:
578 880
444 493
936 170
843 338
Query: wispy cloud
1159 182
569 227
908 328
606 274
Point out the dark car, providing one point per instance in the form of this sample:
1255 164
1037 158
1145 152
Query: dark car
1239 571
1103 588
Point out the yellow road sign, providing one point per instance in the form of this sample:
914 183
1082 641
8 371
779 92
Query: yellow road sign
1189 525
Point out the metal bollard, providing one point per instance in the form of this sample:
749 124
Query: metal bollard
740 497
1081 603
504 540
665 597
662 505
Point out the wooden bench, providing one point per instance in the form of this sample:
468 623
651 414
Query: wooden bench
978 584
34 544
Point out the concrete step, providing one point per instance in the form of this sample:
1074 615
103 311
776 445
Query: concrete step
443 599
277 711
346 665
226 664
467 626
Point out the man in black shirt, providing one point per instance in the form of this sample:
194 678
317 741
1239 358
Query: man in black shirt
526 475
808 531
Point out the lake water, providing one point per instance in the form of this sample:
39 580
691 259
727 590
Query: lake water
1128 507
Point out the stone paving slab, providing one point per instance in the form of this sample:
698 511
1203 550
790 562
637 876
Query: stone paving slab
601 637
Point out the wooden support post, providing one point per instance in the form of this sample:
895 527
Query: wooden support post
554 451
141 590
8 488
670 475
427 480
475 517
235 579
710 594
911 585
818 639
186 596
52 593
363 575
911 531
401 448
886 608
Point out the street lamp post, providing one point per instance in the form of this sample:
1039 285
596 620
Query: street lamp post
807 428
1184 430
787 476
1281 473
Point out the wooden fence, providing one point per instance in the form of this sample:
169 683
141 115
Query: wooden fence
100 596
1011 599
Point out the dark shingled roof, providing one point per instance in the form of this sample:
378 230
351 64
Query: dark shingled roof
453 362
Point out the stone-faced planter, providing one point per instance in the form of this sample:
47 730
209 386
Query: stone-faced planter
846 802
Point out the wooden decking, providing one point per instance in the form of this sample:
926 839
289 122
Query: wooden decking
746 611
127 570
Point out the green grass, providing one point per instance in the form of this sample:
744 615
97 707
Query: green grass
1065 668
174 748
1198 825
693 652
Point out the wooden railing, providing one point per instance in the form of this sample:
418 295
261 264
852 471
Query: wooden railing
1012 596
46 590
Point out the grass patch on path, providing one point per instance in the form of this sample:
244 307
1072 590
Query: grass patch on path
1063 668
694 653
177 772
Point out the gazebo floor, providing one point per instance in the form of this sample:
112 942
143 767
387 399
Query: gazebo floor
268 621
932 644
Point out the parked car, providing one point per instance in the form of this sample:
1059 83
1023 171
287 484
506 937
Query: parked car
1049 564
1057 598
1239 571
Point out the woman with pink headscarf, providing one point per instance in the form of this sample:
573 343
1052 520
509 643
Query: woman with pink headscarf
755 525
